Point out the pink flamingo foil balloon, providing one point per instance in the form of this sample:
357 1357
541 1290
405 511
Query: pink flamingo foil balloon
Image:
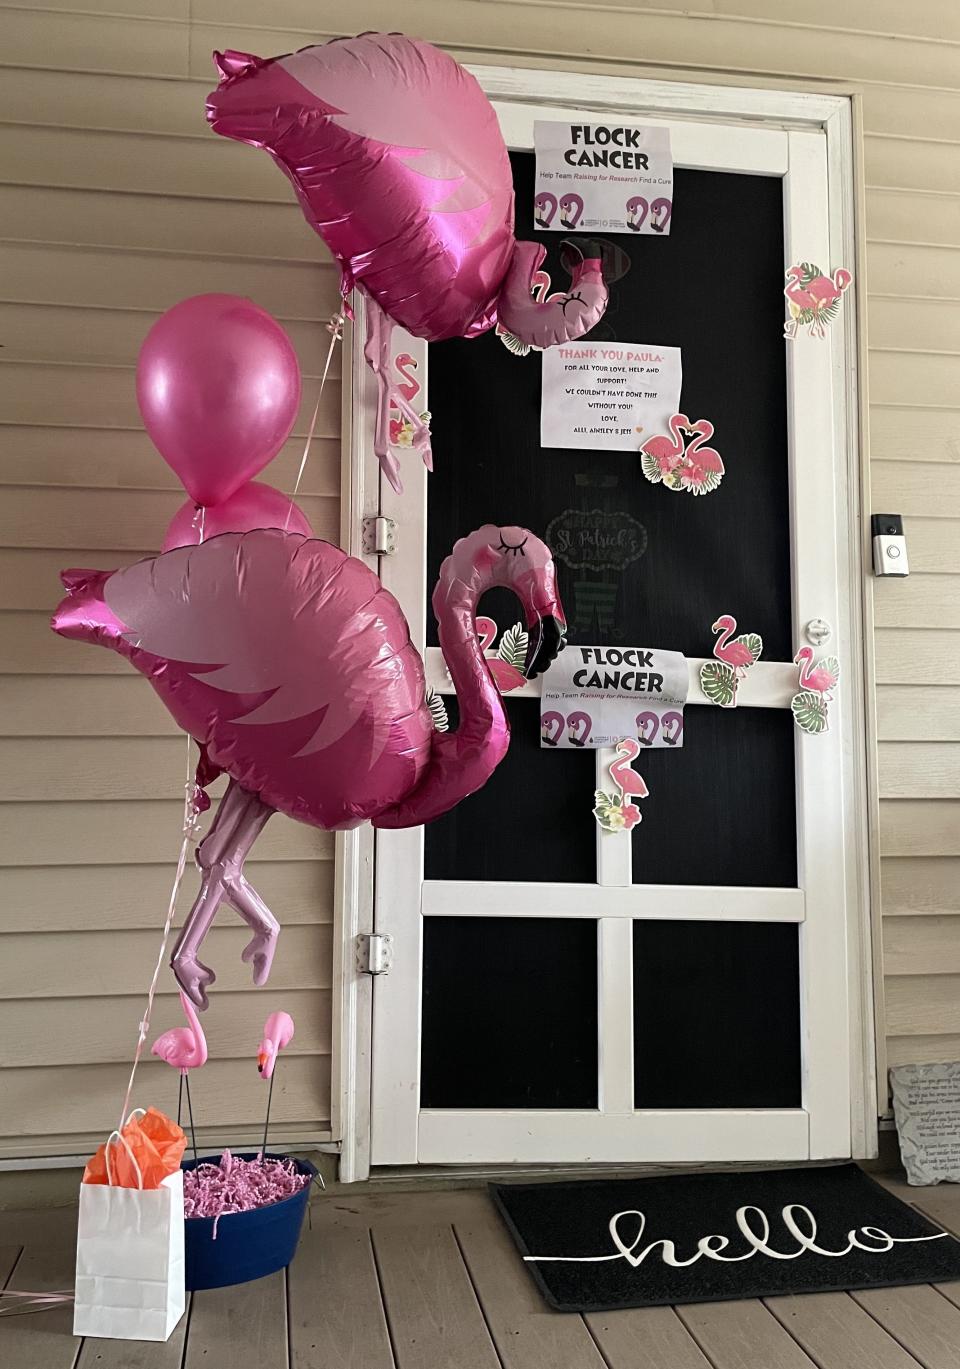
398 161
277 1035
292 668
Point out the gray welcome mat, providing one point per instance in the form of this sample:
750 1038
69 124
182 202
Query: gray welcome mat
602 1244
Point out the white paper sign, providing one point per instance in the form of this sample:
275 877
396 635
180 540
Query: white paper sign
608 396
926 1103
594 696
611 178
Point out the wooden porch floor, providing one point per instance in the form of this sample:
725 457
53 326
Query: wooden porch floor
432 1281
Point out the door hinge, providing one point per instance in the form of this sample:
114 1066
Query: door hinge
379 536
375 953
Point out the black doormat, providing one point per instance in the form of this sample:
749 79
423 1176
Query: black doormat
603 1244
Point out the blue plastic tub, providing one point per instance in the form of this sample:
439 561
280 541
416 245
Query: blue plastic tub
249 1244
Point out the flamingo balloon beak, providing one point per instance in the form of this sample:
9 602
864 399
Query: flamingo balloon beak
552 640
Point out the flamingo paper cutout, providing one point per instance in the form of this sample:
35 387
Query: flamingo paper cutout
291 696
813 299
578 728
571 208
817 683
720 678
637 205
544 209
660 207
409 387
502 668
671 726
680 463
540 293
644 721
612 811
552 724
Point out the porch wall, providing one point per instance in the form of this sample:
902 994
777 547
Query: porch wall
116 202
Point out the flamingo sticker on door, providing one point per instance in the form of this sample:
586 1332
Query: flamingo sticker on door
681 461
616 812
813 298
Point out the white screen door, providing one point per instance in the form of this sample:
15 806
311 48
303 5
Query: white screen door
577 1013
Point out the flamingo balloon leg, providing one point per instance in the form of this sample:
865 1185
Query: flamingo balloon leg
240 819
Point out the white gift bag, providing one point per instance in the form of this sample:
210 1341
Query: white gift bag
130 1265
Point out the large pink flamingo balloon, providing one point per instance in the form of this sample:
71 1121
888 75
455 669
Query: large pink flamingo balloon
293 669
398 161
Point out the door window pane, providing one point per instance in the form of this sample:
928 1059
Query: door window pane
716 1015
509 1013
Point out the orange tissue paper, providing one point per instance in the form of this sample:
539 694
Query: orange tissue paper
155 1142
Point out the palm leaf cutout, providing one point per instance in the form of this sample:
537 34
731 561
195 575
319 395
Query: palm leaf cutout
605 805
754 644
832 664
809 272
709 483
514 345
438 711
513 646
810 711
651 468
718 683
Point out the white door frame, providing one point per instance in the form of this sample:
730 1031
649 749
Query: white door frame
794 135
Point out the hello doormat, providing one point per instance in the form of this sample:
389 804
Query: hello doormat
603 1244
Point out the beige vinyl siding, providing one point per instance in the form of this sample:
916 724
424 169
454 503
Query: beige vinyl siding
115 201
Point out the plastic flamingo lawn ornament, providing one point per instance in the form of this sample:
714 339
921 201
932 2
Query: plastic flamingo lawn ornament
292 668
185 1048
612 811
720 678
398 162
813 299
817 683
277 1035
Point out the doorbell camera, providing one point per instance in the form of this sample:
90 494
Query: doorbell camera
889 545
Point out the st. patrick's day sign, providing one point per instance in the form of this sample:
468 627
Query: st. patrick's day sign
594 696
602 177
607 396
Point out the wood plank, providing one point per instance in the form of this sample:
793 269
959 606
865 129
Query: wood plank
526 1333
141 9
42 1340
431 1308
928 378
931 657
645 1338
933 544
83 99
925 1324
920 827
928 325
921 945
105 396
838 1334
899 433
914 269
128 1354
93 964
245 1331
916 712
919 1005
922 1050
105 1030
897 215
923 770
928 163
741 1335
58 898
227 1094
120 833
652 38
923 489
345 1325
64 706
125 458
94 43
77 216
920 885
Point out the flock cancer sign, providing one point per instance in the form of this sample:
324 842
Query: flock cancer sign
594 696
602 177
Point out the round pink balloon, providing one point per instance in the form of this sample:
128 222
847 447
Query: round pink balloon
219 389
255 505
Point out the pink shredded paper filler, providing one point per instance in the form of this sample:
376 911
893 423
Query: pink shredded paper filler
236 1185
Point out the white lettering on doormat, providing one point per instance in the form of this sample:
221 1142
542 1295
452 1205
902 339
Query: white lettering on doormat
712 1246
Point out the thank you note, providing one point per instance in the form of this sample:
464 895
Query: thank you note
608 396
611 178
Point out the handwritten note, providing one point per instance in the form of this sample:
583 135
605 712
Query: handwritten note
608 396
